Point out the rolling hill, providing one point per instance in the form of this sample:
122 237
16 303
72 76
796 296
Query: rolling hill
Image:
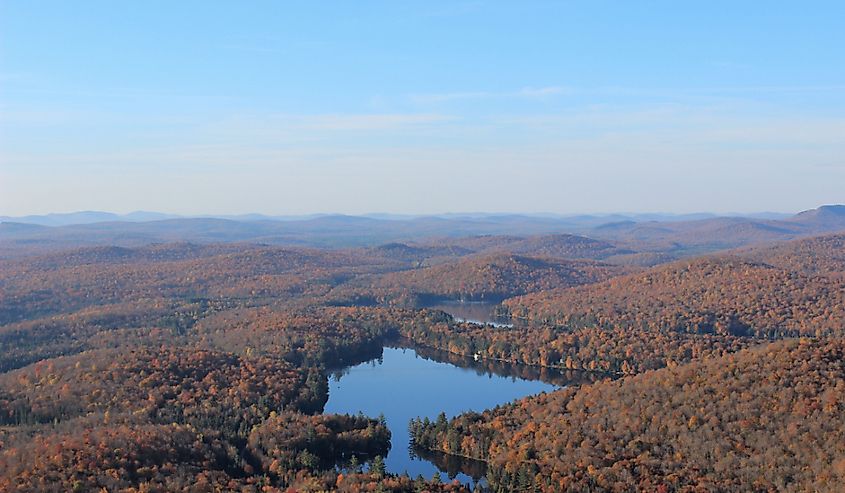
480 278
763 419
820 255
723 295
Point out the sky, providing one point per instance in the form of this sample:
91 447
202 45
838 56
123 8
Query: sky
297 107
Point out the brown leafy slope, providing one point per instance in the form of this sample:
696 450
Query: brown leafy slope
178 458
765 419
227 330
820 255
171 419
566 246
614 350
558 246
118 458
56 304
417 254
209 399
491 278
709 295
163 385
314 337
56 284
309 337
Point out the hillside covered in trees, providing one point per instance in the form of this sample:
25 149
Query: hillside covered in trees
184 367
719 295
476 278
426 246
816 256
168 419
765 419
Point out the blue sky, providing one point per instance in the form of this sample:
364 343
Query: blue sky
418 107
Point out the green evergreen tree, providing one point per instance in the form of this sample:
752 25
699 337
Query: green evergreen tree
377 467
354 464
420 484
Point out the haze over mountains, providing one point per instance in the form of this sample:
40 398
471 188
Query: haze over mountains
90 217
632 233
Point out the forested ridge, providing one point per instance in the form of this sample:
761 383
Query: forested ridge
187 368
819 255
763 419
718 295
561 246
614 351
475 278
52 284
184 367
163 419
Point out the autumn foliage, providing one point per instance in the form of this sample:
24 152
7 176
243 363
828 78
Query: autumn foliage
767 419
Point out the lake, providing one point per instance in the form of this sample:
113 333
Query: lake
477 312
407 383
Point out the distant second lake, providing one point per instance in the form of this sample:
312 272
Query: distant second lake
479 312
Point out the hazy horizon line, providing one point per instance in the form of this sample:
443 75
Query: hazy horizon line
409 214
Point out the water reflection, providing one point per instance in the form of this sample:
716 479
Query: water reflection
453 465
477 312
409 382
554 376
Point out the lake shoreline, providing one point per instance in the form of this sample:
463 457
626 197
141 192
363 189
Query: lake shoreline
403 384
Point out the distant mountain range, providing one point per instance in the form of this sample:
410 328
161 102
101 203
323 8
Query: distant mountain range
678 235
91 217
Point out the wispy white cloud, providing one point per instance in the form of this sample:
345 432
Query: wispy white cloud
367 121
539 92
449 96
661 93
39 116
13 76
687 93
819 88
525 92
454 9
326 128
271 138
696 154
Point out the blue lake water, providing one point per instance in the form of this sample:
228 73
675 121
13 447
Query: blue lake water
403 385
477 312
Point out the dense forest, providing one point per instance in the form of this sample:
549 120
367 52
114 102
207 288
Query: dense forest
763 419
720 295
816 256
611 351
165 419
204 367
476 278
427 246
560 246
